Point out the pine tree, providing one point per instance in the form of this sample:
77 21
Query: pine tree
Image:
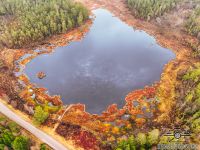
80 19
38 19
64 27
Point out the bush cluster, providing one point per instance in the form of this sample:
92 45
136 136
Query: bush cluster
11 137
191 105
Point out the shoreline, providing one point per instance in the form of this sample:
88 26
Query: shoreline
171 40
160 39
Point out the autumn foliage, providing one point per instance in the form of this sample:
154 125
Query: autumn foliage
80 136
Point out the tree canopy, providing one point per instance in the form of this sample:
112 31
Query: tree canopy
193 23
20 143
148 9
34 20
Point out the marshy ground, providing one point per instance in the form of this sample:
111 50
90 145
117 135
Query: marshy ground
169 32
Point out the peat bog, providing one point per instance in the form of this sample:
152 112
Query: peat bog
101 69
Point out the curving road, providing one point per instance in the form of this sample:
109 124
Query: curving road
32 129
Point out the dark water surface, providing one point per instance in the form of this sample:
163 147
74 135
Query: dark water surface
112 60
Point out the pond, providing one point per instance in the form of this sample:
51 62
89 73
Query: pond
109 62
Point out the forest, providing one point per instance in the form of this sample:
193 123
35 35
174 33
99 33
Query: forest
13 137
192 27
193 23
26 21
148 9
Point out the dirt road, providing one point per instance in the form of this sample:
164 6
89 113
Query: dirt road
35 131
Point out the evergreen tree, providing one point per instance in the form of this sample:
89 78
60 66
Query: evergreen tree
36 20
80 19
20 143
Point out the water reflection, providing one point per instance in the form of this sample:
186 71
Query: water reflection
112 60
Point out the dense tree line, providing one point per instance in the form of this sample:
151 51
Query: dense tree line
34 20
141 141
193 23
13 137
148 9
